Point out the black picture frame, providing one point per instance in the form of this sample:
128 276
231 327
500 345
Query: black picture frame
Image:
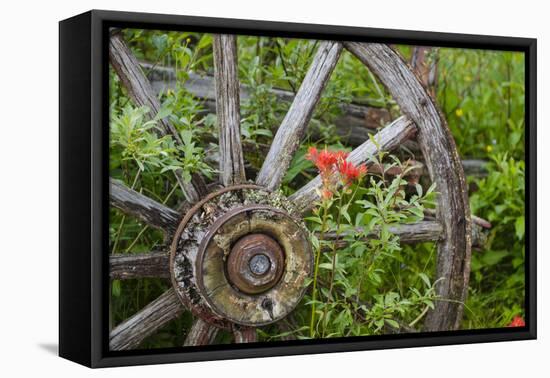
84 204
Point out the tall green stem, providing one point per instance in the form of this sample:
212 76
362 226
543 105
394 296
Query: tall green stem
333 252
316 271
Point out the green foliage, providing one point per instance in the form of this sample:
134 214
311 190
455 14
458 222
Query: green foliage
353 298
372 285
500 296
483 96
134 140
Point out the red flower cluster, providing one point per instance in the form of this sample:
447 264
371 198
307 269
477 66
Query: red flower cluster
517 322
350 172
325 160
333 165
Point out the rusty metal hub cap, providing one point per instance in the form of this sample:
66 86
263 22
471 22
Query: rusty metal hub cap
241 255
255 263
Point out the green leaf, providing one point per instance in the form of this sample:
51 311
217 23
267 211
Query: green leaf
314 219
164 112
140 164
520 227
392 323
264 132
493 257
298 165
425 278
419 190
115 288
315 242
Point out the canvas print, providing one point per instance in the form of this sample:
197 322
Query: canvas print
273 189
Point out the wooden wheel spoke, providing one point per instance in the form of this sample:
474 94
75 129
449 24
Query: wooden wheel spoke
444 165
201 333
420 232
245 335
227 109
387 139
142 207
292 128
130 333
125 266
141 92
424 231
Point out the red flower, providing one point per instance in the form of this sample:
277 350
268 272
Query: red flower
517 322
333 166
326 193
312 154
351 172
325 160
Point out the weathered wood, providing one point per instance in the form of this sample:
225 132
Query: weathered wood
137 85
424 231
142 207
386 139
292 128
227 109
141 92
424 65
245 335
203 277
126 266
130 333
353 125
443 163
482 223
200 333
408 233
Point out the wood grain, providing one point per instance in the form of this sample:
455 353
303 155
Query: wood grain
200 333
353 125
141 92
130 333
445 169
227 109
126 266
424 65
293 126
243 335
408 233
142 207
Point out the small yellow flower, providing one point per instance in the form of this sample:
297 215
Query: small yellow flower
489 148
459 112
188 40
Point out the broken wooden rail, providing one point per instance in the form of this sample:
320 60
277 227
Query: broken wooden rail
356 123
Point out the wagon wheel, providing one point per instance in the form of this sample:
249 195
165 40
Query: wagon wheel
240 254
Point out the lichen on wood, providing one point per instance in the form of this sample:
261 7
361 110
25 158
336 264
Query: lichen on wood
204 240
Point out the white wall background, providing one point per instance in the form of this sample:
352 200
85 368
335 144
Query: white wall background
29 189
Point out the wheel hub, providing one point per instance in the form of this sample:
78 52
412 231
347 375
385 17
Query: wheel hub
241 256
255 263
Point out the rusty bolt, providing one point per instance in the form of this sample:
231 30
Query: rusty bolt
259 264
255 263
